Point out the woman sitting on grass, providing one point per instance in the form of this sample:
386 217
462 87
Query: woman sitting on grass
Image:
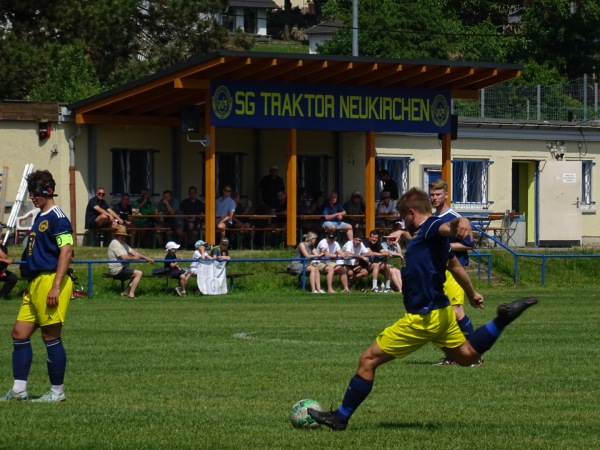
307 249
174 270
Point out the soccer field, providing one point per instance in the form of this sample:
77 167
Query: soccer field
223 372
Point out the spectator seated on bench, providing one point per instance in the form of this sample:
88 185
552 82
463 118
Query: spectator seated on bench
120 252
174 270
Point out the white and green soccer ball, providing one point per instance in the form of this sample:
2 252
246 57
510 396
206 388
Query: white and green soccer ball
299 416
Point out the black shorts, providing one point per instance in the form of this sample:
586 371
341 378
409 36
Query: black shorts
125 274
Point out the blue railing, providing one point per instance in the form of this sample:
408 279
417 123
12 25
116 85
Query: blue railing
516 256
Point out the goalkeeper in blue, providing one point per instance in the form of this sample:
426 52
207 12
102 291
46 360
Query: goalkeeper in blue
429 316
46 300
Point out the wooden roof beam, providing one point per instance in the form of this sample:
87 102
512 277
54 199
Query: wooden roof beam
332 70
309 68
433 74
455 74
281 69
254 68
150 121
191 83
355 73
407 74
502 76
383 71
480 75
150 85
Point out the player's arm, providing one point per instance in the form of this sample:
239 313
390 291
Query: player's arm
65 245
459 227
462 278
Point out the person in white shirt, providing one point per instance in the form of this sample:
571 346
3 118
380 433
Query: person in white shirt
356 263
199 253
329 248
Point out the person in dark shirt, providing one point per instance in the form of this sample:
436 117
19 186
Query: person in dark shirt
192 206
98 214
429 316
123 209
268 188
389 185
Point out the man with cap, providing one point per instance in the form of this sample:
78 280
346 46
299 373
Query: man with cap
355 206
46 300
176 272
121 253
200 253
222 251
386 207
268 187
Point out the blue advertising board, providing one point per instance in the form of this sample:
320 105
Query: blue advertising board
324 107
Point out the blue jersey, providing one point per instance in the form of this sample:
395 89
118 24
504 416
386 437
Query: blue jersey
423 277
463 256
42 249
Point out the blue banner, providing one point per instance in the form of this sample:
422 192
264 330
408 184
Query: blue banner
319 107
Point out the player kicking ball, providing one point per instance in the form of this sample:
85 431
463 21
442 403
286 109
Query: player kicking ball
429 316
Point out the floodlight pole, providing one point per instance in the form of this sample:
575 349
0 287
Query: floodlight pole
354 27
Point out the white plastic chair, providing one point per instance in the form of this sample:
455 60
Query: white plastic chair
24 223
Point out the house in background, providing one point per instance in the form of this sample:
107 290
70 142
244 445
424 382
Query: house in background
321 33
248 15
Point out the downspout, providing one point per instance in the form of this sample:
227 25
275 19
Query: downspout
72 186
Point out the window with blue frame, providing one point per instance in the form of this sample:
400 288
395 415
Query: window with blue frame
586 185
470 183
398 170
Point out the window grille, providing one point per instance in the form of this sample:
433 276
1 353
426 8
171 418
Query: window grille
398 170
586 185
132 170
470 182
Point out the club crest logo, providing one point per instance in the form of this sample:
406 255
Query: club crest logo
440 111
222 102
43 226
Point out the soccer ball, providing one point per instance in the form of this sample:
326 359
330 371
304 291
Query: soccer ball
300 418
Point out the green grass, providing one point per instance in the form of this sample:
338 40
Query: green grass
281 47
222 372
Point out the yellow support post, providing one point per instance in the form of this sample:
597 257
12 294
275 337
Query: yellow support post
291 175
369 181
210 173
447 164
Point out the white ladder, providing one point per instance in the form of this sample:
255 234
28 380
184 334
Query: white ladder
16 208
3 186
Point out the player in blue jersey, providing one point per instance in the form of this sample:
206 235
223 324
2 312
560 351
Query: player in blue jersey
429 316
438 194
46 300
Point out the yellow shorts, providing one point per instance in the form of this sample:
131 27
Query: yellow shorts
34 308
453 290
413 331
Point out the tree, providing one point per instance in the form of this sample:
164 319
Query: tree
71 78
562 34
122 39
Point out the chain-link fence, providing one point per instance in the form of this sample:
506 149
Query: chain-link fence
575 101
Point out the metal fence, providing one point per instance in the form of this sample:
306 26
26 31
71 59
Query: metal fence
575 101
